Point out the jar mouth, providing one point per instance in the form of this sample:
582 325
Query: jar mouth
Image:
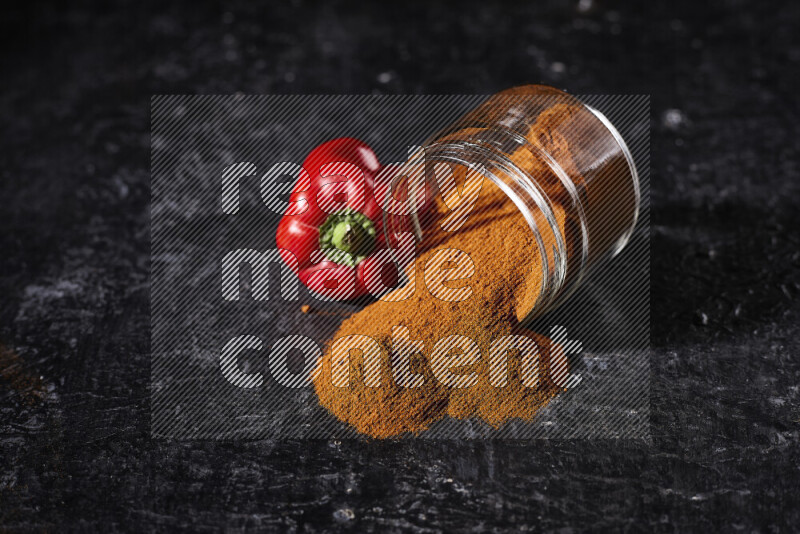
554 259
519 187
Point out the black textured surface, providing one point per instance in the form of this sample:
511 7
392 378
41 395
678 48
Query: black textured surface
75 450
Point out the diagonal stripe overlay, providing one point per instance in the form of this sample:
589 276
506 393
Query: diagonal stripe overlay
258 387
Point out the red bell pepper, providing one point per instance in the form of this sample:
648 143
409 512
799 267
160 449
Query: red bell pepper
333 223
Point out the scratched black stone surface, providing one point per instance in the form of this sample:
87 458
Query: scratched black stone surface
75 451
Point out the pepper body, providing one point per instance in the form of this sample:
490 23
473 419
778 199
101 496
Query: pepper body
333 222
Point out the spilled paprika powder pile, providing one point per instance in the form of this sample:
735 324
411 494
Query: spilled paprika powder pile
506 275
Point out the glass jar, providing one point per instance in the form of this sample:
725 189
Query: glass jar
547 151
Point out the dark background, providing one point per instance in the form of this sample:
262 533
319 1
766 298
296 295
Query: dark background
75 451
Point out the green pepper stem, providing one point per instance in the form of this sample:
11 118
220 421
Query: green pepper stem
347 237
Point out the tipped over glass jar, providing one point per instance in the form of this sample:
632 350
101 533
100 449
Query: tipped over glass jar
561 162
